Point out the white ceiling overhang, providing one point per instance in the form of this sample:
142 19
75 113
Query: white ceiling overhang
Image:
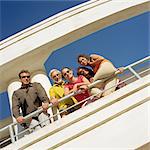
31 47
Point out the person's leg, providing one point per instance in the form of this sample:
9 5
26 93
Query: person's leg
20 130
105 70
54 111
110 85
44 118
34 125
96 91
63 114
69 103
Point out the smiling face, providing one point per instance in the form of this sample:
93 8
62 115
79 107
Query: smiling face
25 78
67 73
56 76
83 72
83 61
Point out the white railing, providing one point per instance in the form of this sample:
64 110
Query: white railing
129 67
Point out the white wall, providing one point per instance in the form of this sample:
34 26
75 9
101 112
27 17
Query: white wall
11 88
119 120
117 126
128 131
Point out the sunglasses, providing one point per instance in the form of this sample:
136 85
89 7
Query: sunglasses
25 77
66 72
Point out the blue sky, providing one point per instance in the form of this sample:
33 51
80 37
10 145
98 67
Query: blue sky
20 14
122 43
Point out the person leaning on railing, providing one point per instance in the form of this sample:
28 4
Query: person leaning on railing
103 69
29 98
56 92
76 83
89 74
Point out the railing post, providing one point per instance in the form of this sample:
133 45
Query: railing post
11 131
132 70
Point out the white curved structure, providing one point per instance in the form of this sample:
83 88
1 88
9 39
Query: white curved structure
118 112
61 30
11 88
43 79
119 120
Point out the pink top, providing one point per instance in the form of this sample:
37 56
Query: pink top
81 96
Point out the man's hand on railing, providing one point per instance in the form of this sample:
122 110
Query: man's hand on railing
20 119
45 106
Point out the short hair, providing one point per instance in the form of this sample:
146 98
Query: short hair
23 71
50 74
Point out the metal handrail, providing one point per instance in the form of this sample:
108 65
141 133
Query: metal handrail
87 99
74 93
